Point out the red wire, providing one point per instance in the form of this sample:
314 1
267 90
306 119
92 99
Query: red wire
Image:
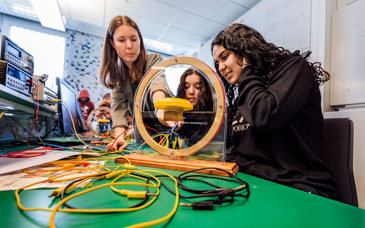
28 153
154 130
126 131
111 146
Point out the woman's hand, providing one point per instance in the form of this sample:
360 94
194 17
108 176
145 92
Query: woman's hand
159 112
119 142
159 115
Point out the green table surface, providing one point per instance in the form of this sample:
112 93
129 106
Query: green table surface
270 205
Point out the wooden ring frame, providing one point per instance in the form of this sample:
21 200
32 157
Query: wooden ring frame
219 115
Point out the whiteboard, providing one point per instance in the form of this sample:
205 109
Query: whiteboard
347 83
285 23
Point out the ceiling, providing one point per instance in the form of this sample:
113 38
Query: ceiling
183 25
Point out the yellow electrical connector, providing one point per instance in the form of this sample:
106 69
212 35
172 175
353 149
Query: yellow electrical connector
128 166
174 143
56 193
113 174
135 194
68 165
167 143
180 142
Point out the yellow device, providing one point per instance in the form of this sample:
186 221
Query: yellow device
173 108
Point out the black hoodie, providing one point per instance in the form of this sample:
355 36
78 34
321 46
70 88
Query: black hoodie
277 131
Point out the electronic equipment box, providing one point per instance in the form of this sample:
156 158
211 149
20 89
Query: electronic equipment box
44 93
16 56
16 67
14 78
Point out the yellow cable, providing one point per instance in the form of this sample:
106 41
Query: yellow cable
1 114
164 137
114 183
145 224
173 211
54 179
135 171
54 210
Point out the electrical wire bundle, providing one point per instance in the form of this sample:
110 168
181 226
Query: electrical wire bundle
168 139
171 139
217 195
118 174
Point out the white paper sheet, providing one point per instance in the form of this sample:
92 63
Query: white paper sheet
13 164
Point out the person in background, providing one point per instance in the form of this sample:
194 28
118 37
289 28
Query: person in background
85 103
124 62
107 98
104 114
196 89
276 124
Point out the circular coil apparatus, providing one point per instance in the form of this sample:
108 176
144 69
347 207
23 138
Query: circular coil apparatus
219 114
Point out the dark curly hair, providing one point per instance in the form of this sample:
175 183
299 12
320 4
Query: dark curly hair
205 98
264 57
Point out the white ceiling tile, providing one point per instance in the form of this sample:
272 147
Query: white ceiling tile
246 3
159 12
182 37
210 29
188 22
175 3
150 29
229 12
91 11
130 6
205 8
110 13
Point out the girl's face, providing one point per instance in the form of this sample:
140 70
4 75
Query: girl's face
192 88
228 64
126 43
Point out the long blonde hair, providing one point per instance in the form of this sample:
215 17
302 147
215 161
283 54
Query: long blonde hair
113 70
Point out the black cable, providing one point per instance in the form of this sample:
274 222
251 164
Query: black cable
224 195
182 177
78 180
219 192
54 127
64 192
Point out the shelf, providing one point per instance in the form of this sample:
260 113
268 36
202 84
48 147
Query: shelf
20 104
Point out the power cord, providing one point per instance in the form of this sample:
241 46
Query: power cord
224 195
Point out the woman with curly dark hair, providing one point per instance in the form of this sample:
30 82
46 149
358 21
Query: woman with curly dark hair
195 88
276 123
